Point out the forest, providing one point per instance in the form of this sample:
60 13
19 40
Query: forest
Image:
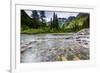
37 23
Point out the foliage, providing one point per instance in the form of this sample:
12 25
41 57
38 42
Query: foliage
80 22
37 23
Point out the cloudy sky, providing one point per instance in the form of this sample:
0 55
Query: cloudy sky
49 14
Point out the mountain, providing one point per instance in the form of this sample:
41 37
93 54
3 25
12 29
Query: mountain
71 18
81 21
62 21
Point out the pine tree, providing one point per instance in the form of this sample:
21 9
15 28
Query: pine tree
42 16
87 22
51 24
25 20
55 21
36 21
57 24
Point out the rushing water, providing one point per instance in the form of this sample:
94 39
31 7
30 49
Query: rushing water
45 47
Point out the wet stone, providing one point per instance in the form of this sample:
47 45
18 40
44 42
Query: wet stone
67 48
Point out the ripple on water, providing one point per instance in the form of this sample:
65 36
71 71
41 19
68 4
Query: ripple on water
41 50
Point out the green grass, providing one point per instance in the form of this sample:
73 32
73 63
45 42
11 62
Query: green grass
32 31
46 31
39 31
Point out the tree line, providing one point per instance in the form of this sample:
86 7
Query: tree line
37 21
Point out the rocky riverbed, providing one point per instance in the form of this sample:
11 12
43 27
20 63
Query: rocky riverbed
46 48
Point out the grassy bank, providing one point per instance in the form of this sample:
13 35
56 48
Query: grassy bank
44 31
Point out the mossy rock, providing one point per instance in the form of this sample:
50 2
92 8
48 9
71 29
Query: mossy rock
61 58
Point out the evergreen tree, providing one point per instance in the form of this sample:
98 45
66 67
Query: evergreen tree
42 16
51 24
86 22
55 21
25 20
57 24
36 21
42 13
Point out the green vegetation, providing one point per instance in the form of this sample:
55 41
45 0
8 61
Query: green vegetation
80 22
37 24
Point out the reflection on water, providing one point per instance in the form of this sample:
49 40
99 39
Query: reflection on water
47 47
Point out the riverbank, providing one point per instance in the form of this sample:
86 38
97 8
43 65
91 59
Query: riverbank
47 31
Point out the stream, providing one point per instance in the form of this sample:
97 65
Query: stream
51 47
